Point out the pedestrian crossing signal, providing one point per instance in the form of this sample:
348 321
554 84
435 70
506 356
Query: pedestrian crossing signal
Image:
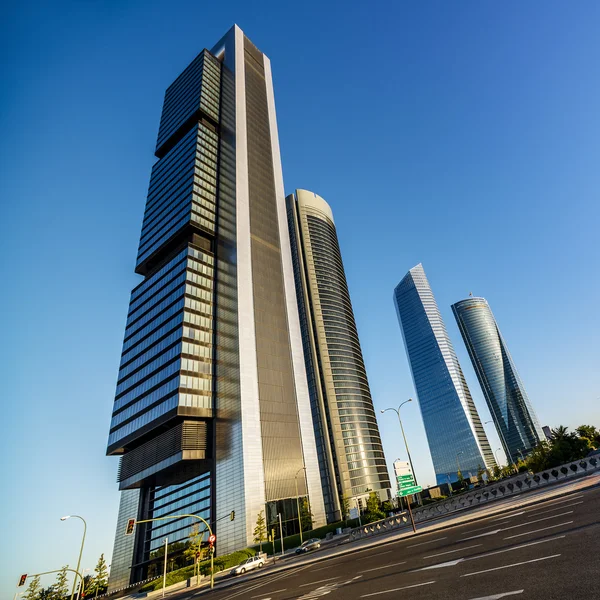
130 527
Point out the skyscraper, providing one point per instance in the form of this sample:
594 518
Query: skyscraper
454 431
212 412
513 415
351 459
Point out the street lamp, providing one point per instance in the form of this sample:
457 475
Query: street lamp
397 411
80 550
497 455
298 499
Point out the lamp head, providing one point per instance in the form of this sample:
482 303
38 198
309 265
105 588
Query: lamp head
65 518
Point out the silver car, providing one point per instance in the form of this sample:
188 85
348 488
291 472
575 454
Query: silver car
255 562
312 544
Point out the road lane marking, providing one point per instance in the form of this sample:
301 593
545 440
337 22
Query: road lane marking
273 592
498 596
525 562
510 516
510 537
406 587
429 542
384 567
569 512
452 551
480 529
320 581
559 508
453 563
495 531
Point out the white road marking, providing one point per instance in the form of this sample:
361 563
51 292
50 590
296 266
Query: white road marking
406 587
559 508
424 543
320 581
384 567
480 529
495 531
510 537
453 563
510 516
569 512
498 596
452 551
525 562
273 592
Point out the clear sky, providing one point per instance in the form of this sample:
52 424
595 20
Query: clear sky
463 135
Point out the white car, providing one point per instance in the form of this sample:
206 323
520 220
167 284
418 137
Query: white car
255 562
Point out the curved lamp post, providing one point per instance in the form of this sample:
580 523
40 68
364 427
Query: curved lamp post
80 550
397 411
497 456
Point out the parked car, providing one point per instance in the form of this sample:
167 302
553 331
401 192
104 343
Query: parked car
308 545
255 562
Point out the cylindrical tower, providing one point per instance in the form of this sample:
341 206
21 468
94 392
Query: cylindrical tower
513 415
349 446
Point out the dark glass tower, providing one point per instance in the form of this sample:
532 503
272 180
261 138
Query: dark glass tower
351 458
212 411
454 431
514 417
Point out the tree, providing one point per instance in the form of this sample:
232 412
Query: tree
99 581
345 506
306 517
260 531
60 589
33 589
590 433
194 547
373 512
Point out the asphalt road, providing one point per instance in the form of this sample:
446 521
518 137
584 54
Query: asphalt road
547 550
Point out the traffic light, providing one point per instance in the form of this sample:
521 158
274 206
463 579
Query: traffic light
232 515
130 527
22 580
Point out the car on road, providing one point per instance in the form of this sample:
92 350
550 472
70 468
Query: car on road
308 545
254 562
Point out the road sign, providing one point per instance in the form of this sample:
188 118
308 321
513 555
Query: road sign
409 491
405 477
354 513
212 539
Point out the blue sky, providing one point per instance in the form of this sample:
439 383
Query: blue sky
460 135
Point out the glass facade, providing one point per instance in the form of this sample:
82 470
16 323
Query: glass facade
212 411
350 452
513 415
454 431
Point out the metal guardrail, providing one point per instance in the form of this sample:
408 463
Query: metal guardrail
502 489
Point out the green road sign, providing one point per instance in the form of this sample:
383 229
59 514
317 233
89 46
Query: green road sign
415 489
408 477
406 484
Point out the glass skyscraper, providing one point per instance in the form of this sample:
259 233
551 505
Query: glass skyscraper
513 415
351 459
212 412
454 431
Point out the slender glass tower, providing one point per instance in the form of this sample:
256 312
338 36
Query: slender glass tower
514 417
351 458
212 412
454 431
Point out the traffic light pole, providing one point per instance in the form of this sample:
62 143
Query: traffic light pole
210 533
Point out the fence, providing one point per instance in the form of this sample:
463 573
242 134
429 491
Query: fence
502 489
